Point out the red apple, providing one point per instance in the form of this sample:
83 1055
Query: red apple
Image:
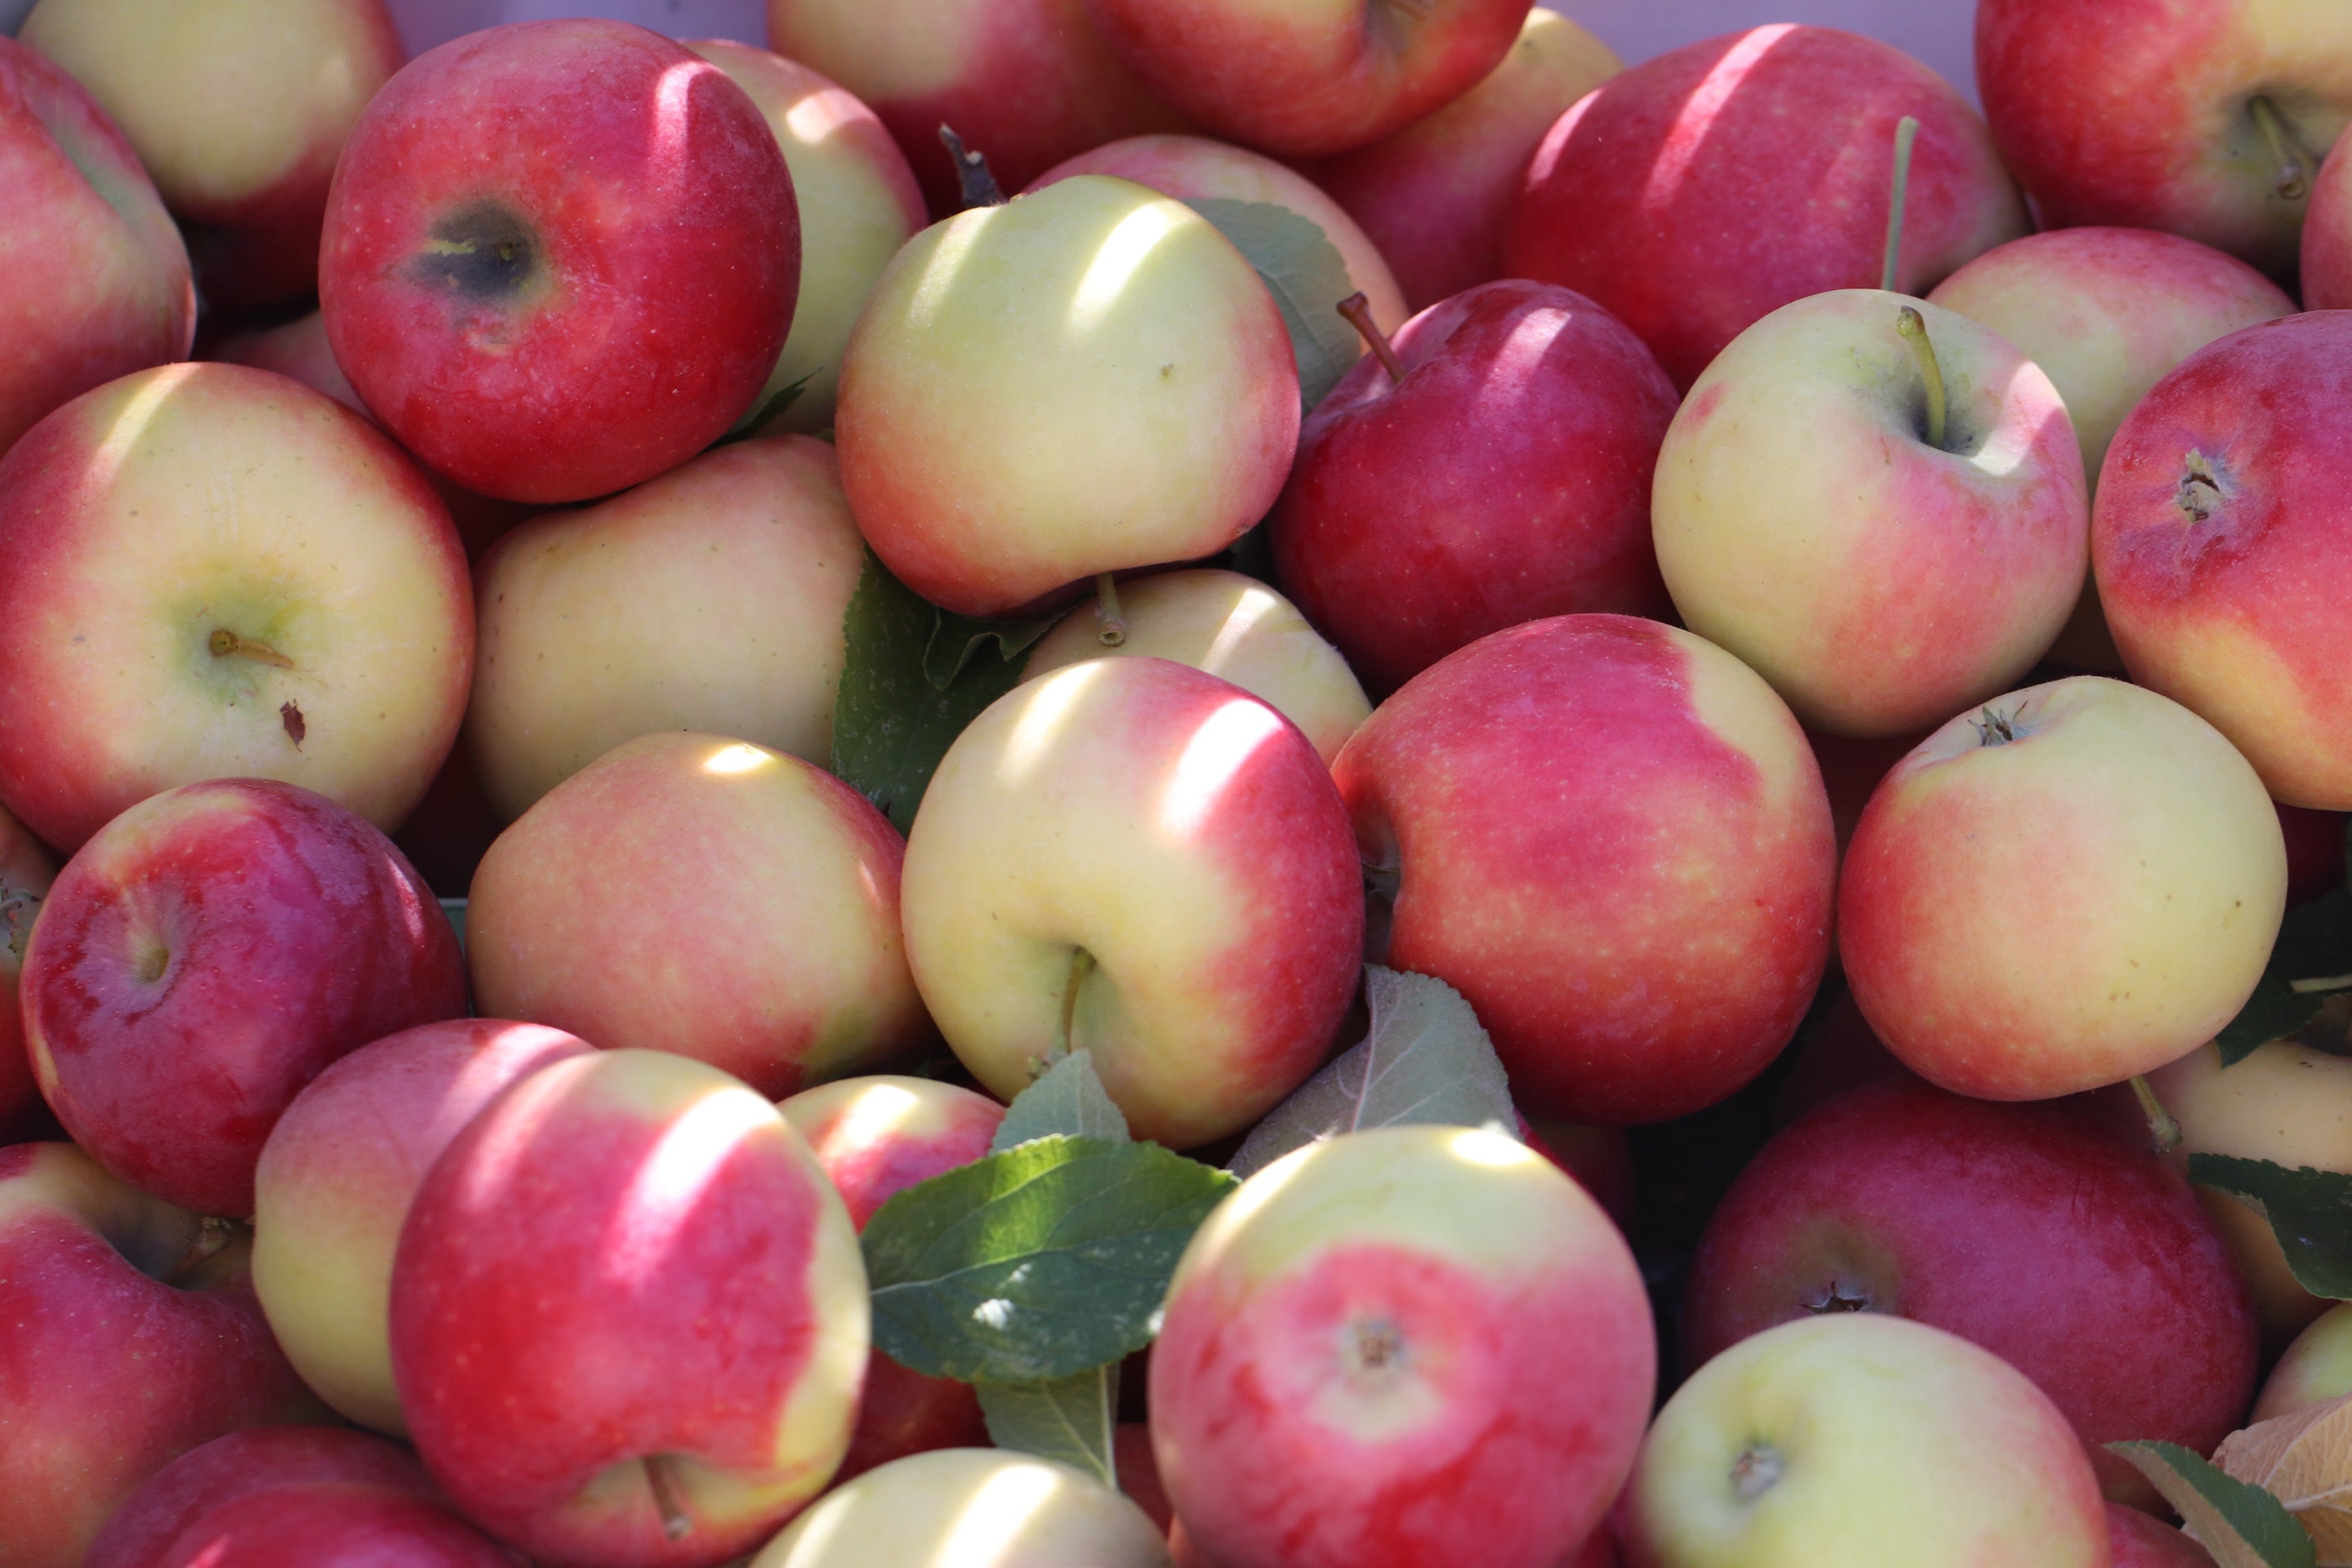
26 872
206 955
1503 477
2136 1540
559 257
1702 190
2315 852
2326 247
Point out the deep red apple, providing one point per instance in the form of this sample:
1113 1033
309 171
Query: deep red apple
2139 1540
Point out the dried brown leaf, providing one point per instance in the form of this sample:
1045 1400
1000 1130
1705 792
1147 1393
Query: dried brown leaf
2305 1459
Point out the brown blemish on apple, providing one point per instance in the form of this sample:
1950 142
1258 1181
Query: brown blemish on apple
296 728
485 254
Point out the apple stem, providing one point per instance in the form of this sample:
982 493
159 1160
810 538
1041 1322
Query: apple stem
1913 327
224 642
676 1525
979 186
2161 1127
212 1237
1114 624
1359 311
1082 964
1906 132
2293 162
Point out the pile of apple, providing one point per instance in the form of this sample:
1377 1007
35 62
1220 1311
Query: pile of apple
683 854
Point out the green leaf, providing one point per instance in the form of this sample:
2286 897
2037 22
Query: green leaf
1307 277
1070 1419
915 676
2309 1211
2313 950
1426 1058
2243 1526
755 423
1069 1099
1039 1263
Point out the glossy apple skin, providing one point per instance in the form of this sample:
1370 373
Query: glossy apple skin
875 1137
2138 1539
1435 196
293 1497
337 1176
656 257
114 293
1412 1345
2227 612
628 1255
925 1508
206 955
1612 837
1700 191
1506 479
1183 834
26 870
761 926
2135 111
146 517
129 1341
2315 1368
244 161
2082 1262
1307 79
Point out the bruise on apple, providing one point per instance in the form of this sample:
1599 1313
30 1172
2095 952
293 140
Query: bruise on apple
482 254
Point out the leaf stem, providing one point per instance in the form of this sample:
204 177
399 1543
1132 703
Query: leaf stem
2319 983
1359 311
660 1479
1107 612
2294 181
1906 132
2162 1129
1913 327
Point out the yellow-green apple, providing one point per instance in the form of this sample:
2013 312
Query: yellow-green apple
2316 1370
2074 884
1700 191
132 1337
2106 313
1197 168
26 872
98 282
875 1137
238 110
1234 628
1026 83
559 257
629 1315
335 1180
1136 858
1417 1344
2203 118
759 895
1857 1438
2079 1259
859 204
1925 530
1436 195
2326 247
1612 837
1085 380
1305 80
710 598
207 955
1499 471
2223 542
2138 1539
213 571
970 1506
292 1497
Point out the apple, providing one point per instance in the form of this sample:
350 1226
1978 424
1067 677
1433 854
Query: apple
2135 1540
2203 118
710 598
1859 1438
335 1180
559 257
1305 80
1434 196
238 112
2222 541
2076 883
1837 1051
292 1497
451 828
1232 627
2316 1370
1610 837
25 873
707 896
1884 567
133 1338
970 1505
859 204
629 1316
1137 858
1698 192
1026 83
214 571
1498 472
2327 246
1087 379
98 281
1416 1344
2317 850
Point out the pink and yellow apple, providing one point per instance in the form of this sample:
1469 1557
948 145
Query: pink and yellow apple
970 1505
2326 247
2316 1370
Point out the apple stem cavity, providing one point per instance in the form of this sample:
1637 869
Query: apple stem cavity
1107 612
1913 327
2163 1131
225 644
1906 132
979 186
2293 181
662 1483
212 1239
1082 964
1359 311
2200 492
1754 1472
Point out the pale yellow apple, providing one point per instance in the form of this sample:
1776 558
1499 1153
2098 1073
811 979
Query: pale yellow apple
969 1508
2315 1368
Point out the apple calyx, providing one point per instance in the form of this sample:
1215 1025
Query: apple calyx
2292 182
2163 1131
1359 311
225 644
2200 492
979 184
19 906
1994 728
1833 1299
1906 132
1113 625
1374 1351
1756 1471
1912 328
662 1483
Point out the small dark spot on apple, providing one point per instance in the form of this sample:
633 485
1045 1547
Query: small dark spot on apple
484 252
296 727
